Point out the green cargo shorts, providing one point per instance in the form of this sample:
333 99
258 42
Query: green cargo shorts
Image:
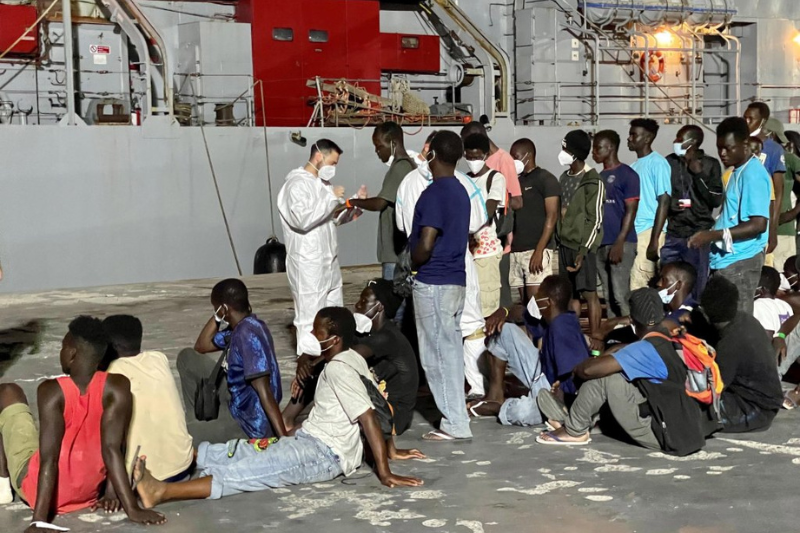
20 440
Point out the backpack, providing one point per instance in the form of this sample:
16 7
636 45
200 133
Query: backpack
503 218
703 378
383 409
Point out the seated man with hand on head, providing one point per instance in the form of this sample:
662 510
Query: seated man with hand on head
158 425
643 385
752 394
326 446
83 418
250 367
387 350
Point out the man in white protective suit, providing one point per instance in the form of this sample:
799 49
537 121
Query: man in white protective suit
310 209
472 322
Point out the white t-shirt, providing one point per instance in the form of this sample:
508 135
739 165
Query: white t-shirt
772 313
339 400
488 243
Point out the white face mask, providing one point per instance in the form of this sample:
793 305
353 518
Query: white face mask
425 169
327 173
665 296
565 159
323 350
519 166
476 166
679 149
758 131
364 322
533 307
391 157
223 324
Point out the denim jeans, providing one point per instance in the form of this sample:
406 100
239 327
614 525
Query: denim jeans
290 461
745 275
676 249
387 272
437 311
514 347
616 279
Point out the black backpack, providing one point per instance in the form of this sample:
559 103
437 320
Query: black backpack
383 410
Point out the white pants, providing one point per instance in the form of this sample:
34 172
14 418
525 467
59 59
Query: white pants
472 321
313 287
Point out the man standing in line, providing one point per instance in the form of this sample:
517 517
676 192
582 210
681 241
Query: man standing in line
580 230
772 157
618 248
696 192
307 203
534 223
655 187
786 247
740 234
472 322
389 147
501 161
438 240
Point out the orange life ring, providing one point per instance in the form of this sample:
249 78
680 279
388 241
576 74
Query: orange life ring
653 65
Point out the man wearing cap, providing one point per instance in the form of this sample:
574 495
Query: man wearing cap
387 350
579 231
788 213
643 385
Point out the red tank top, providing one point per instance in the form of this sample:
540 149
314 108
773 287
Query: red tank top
81 470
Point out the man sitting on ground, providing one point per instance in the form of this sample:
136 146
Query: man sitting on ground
327 445
251 370
387 350
768 309
643 385
83 419
158 424
563 346
752 394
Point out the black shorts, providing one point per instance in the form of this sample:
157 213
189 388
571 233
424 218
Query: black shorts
583 280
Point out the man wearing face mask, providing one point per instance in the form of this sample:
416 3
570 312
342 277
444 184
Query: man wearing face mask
472 323
387 350
655 186
487 247
253 379
772 157
580 229
308 203
696 192
388 141
534 223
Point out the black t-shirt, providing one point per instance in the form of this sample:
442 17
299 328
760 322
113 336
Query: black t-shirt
529 221
694 196
394 362
747 363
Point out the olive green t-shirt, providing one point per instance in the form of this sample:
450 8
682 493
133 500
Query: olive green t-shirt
792 168
391 240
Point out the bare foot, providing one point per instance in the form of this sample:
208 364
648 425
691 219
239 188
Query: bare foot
484 408
150 490
561 435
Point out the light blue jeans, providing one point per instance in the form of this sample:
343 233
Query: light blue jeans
437 310
514 347
290 461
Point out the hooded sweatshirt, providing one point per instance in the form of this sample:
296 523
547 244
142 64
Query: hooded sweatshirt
581 227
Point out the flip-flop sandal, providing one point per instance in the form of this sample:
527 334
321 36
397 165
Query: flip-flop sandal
474 414
788 402
133 465
437 436
558 442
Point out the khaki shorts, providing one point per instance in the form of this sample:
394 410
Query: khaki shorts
520 274
20 440
489 282
643 269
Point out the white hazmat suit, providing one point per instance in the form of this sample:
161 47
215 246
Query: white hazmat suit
306 205
472 322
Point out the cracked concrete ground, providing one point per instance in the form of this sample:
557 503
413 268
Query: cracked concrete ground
500 481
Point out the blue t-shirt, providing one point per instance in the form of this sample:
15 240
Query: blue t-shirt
685 309
445 206
622 185
747 195
563 348
640 360
655 179
251 355
773 157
